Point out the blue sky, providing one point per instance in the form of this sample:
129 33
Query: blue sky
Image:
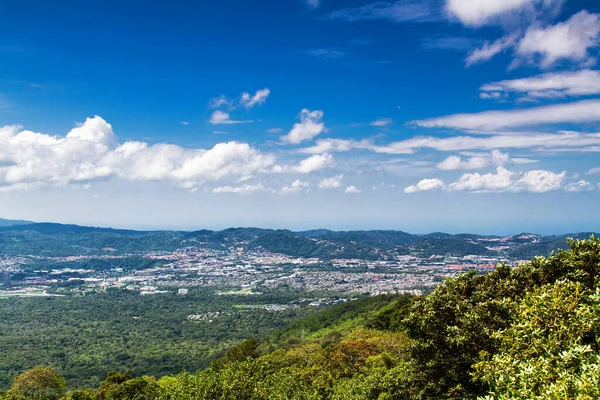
454 115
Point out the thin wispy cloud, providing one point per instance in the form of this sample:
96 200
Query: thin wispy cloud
222 118
458 43
396 11
381 122
549 85
246 100
566 141
313 3
5 104
577 112
326 53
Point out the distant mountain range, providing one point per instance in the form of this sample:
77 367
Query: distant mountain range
50 239
11 222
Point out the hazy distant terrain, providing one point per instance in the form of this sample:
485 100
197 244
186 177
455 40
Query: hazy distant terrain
48 239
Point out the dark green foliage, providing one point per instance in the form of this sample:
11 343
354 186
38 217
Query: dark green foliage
459 320
354 312
143 388
246 350
390 317
85 337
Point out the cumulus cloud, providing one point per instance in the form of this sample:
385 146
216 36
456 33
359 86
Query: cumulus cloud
536 181
331 183
549 85
580 186
381 122
352 189
479 161
425 185
314 163
222 118
570 40
245 189
259 98
310 125
92 151
476 13
296 187
576 112
561 141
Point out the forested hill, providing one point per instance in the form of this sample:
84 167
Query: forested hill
12 222
49 239
530 332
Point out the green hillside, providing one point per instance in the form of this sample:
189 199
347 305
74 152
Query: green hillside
530 332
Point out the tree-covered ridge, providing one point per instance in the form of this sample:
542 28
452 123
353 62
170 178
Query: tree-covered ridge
530 332
58 240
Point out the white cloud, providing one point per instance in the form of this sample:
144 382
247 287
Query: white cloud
259 98
275 130
381 122
310 125
580 186
331 183
92 151
537 181
296 187
222 118
352 189
314 163
562 141
184 123
220 101
576 112
313 3
479 12
490 95
425 185
489 50
245 189
593 171
540 181
495 158
549 85
569 40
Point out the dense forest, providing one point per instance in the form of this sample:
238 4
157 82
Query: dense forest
85 337
530 332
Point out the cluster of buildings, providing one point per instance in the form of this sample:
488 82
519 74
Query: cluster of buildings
235 270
